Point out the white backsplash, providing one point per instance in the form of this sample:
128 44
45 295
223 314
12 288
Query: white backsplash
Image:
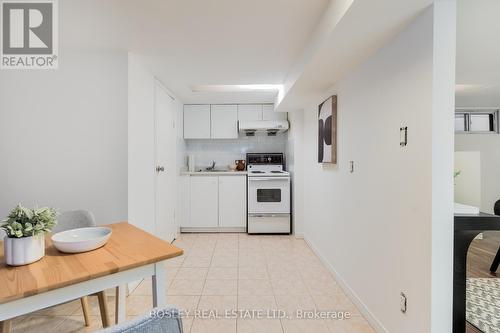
225 152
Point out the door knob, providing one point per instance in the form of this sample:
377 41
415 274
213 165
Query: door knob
160 168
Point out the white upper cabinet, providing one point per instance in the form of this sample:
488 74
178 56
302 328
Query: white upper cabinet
220 121
249 112
268 113
224 122
196 121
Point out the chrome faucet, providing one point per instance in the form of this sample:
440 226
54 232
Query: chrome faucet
212 167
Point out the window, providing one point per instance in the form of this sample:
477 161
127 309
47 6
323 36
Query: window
476 121
460 122
481 122
269 195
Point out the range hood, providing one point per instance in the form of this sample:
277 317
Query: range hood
269 127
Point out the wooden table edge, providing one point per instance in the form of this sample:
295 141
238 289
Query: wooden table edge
95 276
177 253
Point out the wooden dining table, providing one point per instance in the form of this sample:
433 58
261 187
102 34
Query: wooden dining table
130 254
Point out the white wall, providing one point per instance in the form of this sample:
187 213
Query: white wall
63 136
294 151
489 147
374 228
468 182
443 120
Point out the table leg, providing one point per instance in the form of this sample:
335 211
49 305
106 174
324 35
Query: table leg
86 310
120 310
103 308
462 241
159 285
5 326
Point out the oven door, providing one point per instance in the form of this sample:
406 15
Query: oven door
269 195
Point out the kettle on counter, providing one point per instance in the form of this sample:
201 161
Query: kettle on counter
240 165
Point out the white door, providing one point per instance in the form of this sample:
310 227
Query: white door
224 121
204 202
165 185
233 201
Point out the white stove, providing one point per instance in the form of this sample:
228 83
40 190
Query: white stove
268 194
259 171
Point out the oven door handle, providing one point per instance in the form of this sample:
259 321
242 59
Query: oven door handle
269 179
268 215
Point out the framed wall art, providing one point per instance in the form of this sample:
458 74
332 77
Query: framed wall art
327 131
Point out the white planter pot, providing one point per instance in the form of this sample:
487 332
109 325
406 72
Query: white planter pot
23 251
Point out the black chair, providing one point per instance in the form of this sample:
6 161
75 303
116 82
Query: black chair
496 261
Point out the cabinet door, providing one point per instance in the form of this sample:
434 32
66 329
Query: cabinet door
224 120
183 200
196 121
250 112
268 113
232 201
204 202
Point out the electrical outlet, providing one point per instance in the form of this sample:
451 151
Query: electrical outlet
403 302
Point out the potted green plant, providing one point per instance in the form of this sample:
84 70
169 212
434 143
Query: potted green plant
25 229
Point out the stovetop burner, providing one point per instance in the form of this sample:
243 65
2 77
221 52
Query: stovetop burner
266 165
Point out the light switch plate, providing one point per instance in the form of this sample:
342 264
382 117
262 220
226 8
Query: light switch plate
403 302
403 136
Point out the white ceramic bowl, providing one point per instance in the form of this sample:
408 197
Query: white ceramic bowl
81 240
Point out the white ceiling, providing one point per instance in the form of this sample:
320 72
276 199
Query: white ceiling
478 53
364 28
221 42
198 42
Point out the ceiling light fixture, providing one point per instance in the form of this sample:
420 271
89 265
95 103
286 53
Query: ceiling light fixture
468 87
237 87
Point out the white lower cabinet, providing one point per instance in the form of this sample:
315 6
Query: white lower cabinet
203 202
232 201
216 203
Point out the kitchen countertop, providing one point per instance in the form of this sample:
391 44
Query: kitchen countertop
214 173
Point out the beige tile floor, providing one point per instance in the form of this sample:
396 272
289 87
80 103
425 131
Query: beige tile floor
220 272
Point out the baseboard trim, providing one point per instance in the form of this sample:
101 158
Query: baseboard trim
363 309
213 229
299 235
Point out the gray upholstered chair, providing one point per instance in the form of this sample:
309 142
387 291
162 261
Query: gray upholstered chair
83 219
74 219
163 320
